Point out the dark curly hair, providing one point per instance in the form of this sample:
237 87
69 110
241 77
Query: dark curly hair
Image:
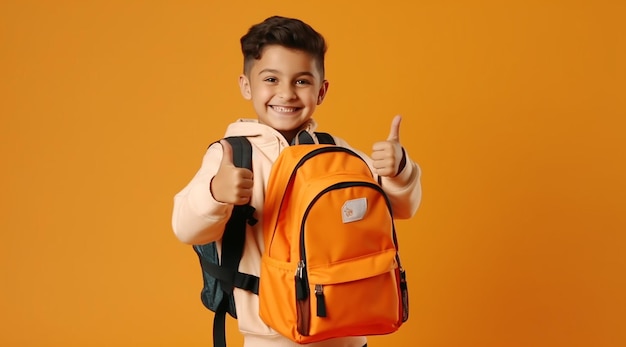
286 32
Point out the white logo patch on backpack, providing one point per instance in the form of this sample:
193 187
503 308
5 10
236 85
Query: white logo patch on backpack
353 210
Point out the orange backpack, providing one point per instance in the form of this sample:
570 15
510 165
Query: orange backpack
330 267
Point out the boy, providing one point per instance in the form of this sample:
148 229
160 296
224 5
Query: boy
284 80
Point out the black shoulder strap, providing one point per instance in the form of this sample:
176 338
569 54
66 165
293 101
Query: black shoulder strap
232 246
325 138
242 151
235 233
303 137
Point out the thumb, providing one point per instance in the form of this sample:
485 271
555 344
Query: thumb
394 133
227 156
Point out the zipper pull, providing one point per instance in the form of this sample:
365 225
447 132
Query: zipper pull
404 291
301 285
321 301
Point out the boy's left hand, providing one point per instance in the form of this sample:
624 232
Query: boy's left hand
387 155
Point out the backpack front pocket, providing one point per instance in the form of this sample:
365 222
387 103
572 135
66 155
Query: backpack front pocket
352 306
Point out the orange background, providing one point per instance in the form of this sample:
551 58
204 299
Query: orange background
515 111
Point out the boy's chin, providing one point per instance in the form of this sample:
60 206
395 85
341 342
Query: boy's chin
292 130
289 126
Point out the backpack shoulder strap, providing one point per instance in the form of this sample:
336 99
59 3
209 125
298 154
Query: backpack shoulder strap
303 137
233 241
325 138
234 235
242 151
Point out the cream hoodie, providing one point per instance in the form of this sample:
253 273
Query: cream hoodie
198 219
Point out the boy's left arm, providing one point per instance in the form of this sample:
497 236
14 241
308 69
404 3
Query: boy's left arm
400 176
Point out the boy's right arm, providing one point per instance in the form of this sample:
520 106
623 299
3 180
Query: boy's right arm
203 207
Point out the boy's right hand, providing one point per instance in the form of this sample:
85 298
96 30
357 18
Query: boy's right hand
231 184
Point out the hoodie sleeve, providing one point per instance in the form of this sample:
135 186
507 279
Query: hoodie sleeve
197 217
404 190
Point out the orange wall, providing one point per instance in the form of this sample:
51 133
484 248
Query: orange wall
514 109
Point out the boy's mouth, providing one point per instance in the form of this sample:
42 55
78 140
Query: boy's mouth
284 109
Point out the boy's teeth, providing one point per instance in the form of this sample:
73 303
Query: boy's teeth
284 109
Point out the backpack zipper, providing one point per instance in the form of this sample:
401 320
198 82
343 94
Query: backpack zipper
302 285
321 301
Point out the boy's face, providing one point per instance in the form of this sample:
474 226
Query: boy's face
285 87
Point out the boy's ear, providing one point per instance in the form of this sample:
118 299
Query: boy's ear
322 93
244 86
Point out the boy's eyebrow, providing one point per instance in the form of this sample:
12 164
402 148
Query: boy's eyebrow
274 71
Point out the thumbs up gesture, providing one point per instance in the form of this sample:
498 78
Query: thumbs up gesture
231 184
387 155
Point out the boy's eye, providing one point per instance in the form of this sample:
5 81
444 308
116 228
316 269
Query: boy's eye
270 79
302 82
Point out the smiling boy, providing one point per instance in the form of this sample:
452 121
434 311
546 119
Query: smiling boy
284 95
284 80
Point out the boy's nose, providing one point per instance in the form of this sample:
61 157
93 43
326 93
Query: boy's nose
286 92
